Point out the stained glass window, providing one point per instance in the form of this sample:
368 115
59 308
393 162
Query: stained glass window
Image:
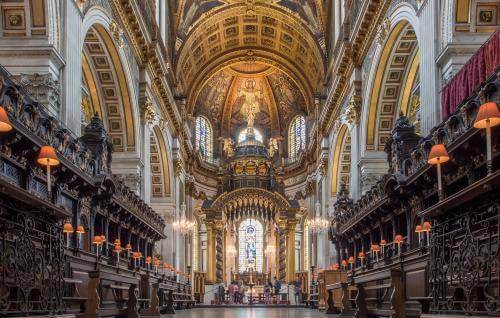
204 137
243 135
297 137
251 245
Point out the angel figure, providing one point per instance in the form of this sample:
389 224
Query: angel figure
228 147
273 147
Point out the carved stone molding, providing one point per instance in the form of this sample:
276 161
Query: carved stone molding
43 88
368 180
148 113
132 180
117 34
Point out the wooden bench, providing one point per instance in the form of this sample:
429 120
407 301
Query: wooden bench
312 300
345 307
380 296
74 301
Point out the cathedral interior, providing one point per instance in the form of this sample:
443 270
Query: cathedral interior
249 158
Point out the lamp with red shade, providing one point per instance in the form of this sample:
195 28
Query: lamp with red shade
437 156
47 157
5 124
488 117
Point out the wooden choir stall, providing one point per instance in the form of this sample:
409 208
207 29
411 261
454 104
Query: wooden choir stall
425 238
73 238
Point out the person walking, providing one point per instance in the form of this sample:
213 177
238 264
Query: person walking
268 287
277 289
297 286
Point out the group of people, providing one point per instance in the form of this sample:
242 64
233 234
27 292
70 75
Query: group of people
237 292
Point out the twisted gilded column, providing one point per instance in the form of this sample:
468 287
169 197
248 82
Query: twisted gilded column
282 251
219 252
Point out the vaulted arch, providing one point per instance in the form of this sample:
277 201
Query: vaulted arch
341 167
105 88
160 172
395 85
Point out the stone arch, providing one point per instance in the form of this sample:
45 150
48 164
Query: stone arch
341 160
160 170
393 76
108 81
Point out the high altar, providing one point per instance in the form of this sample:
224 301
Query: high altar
250 222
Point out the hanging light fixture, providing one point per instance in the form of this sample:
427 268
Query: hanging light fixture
438 156
318 224
5 124
487 117
183 225
47 157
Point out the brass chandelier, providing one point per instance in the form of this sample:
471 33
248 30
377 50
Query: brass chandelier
183 225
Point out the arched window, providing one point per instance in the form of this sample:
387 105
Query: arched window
250 245
243 135
297 137
204 137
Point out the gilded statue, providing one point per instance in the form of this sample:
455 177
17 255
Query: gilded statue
228 147
273 147
250 105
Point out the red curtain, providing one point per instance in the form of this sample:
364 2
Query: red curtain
480 66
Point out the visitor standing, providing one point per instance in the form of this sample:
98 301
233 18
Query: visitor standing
297 286
277 288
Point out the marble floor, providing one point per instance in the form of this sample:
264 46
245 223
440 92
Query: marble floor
248 313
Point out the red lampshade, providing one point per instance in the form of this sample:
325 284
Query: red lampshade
80 229
418 229
488 114
97 240
361 255
375 248
128 247
157 262
136 255
383 243
344 263
5 125
148 260
426 226
438 155
117 242
351 260
47 156
118 248
68 228
103 238
399 239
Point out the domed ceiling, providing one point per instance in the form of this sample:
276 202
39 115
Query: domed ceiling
222 98
275 46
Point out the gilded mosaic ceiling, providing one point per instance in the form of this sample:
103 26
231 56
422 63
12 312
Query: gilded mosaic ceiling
286 36
221 99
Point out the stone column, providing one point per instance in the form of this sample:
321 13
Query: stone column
290 251
430 110
72 72
211 239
